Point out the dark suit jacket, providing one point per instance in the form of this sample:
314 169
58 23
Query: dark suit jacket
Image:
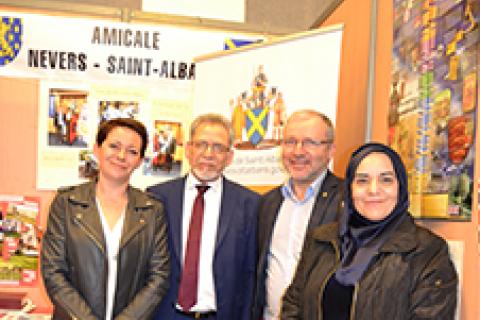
326 209
235 253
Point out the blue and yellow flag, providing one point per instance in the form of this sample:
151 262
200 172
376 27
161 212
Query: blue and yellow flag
231 43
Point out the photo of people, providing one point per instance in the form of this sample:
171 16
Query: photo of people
108 110
88 167
167 146
67 118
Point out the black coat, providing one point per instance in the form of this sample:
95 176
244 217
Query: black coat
326 209
74 261
412 277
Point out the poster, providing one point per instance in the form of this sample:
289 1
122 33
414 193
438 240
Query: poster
433 103
260 86
90 71
19 240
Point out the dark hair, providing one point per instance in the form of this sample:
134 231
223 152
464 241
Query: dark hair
132 124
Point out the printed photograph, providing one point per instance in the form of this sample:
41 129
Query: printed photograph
108 110
88 167
167 146
68 118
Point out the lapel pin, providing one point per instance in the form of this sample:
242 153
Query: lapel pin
324 194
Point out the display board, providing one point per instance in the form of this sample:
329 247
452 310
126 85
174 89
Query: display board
259 86
94 70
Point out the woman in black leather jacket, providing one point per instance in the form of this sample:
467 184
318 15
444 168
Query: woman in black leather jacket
104 253
375 263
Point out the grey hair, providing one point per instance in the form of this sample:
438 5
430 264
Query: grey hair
309 113
216 119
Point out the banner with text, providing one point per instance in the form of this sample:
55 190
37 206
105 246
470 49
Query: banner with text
95 70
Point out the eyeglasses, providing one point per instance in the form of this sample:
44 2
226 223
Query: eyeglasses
307 144
202 146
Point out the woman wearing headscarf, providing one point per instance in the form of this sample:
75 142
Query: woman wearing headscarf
375 263
104 253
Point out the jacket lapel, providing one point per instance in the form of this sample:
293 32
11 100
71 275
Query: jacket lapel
86 214
135 219
227 210
270 216
324 197
403 237
134 222
174 209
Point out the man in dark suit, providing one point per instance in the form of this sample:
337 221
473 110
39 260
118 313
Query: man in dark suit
310 197
212 261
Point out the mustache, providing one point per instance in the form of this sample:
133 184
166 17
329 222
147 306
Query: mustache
298 157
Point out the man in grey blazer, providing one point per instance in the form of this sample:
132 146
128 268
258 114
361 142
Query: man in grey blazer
310 197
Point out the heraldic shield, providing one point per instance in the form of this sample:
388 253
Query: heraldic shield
256 124
10 39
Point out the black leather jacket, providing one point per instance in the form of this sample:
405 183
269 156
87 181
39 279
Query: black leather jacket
74 263
411 278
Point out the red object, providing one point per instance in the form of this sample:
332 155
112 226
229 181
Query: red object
72 135
187 294
11 300
9 244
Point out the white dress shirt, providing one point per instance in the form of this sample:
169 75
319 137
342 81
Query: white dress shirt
287 242
206 300
112 240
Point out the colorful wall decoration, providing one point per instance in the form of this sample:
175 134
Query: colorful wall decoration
433 102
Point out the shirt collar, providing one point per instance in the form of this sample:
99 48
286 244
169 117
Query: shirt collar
192 181
312 191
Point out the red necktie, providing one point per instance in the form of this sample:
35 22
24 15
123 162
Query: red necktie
187 293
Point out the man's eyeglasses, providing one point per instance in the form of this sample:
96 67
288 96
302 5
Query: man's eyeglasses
202 146
307 144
